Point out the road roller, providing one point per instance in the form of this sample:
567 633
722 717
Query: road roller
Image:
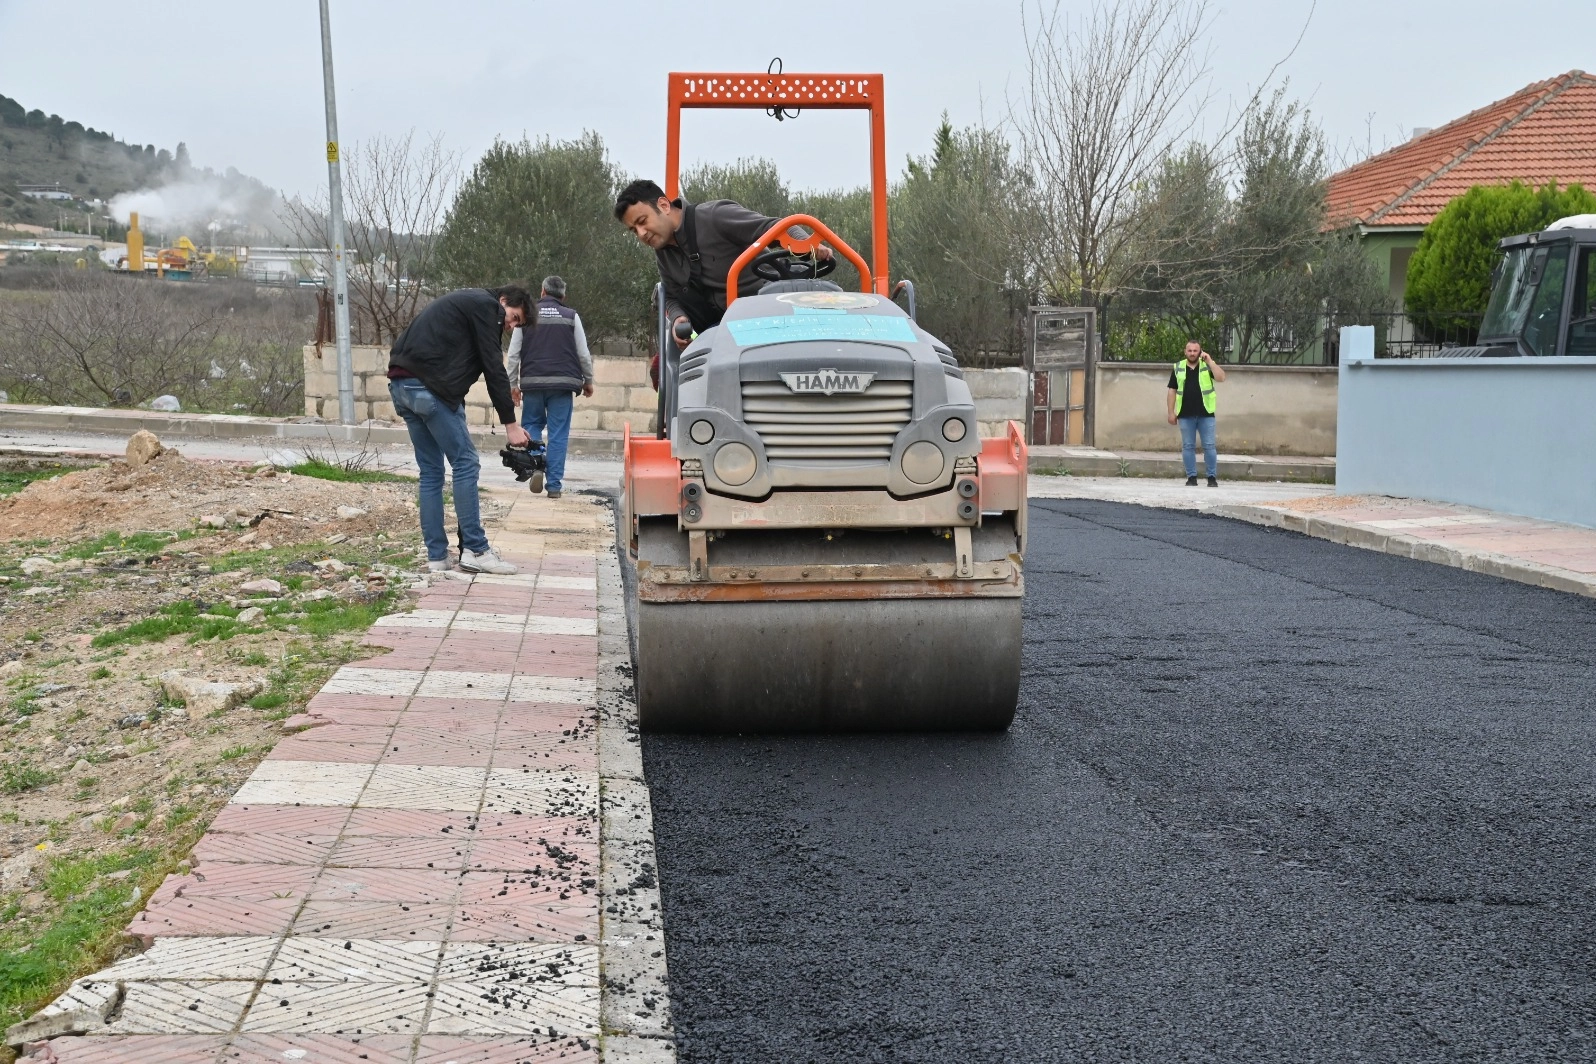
822 539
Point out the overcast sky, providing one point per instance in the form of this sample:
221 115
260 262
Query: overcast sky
241 83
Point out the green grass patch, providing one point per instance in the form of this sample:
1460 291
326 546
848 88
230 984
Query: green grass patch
100 673
17 779
37 959
14 480
323 470
233 753
268 700
118 543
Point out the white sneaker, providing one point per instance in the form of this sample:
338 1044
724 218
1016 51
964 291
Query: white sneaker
486 562
442 565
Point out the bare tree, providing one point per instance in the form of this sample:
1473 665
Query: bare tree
93 338
396 192
1109 97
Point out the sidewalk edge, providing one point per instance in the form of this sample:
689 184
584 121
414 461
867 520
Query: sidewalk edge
1490 564
634 1011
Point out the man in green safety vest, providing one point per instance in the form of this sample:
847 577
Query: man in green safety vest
1191 406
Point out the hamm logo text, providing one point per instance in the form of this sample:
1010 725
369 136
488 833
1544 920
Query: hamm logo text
828 381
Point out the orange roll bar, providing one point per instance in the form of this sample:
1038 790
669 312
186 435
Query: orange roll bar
860 92
798 246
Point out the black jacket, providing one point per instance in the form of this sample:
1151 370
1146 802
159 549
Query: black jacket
454 341
725 229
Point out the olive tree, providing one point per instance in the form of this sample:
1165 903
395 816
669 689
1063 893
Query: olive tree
533 208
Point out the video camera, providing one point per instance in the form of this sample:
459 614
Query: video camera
527 463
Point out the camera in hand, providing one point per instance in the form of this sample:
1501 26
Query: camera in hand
527 463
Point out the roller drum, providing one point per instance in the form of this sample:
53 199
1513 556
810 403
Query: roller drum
826 666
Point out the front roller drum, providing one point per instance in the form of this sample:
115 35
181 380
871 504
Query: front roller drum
928 664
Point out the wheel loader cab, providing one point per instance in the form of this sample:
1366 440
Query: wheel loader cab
1543 295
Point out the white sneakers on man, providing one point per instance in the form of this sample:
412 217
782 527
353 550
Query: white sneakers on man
442 565
486 562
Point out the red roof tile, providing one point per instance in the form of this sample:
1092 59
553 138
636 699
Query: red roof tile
1544 132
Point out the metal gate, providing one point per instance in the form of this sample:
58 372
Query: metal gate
1060 356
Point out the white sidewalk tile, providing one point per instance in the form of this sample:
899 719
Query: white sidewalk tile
416 619
447 788
567 583
441 683
177 1007
360 960
352 681
303 783
191 959
469 621
572 690
561 626
349 1009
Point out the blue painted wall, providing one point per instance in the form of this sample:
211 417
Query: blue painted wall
1515 435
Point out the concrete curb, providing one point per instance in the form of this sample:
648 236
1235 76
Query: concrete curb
226 426
1108 464
1354 535
635 1011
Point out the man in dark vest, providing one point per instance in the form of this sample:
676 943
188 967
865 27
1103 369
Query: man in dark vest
549 363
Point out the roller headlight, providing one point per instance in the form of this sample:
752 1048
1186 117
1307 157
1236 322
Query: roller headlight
702 432
922 462
735 463
953 429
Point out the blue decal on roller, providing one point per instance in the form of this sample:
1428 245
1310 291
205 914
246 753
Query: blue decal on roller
793 328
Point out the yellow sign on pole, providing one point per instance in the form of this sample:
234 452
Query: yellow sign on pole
332 151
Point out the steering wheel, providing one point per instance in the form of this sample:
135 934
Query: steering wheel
779 264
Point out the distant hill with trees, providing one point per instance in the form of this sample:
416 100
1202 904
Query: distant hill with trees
93 165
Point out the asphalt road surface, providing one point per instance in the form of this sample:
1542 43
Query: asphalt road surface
1266 799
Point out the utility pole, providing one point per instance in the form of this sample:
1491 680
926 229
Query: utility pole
335 201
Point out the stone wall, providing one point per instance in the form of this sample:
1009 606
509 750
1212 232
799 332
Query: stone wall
1000 397
621 391
1261 409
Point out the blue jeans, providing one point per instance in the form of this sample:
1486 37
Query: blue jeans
1189 428
552 409
438 434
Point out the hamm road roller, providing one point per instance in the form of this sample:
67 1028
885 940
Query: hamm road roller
822 539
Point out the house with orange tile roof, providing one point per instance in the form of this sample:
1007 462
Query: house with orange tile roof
1544 132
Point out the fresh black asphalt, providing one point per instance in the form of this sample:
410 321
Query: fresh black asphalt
1266 799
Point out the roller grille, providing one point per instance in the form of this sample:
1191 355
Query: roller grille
818 429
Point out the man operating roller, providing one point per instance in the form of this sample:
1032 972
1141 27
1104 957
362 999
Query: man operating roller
695 245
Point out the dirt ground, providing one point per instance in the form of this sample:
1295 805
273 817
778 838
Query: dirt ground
111 577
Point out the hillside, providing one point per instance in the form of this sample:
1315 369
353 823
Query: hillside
40 149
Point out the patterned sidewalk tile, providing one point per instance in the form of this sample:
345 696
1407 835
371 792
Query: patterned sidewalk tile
319 1049
448 788
558 830
215 916
309 748
241 882
361 960
236 957
386 885
471 621
303 783
580 857
409 823
431 852
133 1049
549 749
417 619
564 690
344 920
180 1007
543 793
355 681
262 848
468 685
340 1008
279 819
568 921
437 1049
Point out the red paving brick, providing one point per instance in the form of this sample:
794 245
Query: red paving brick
131 1049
